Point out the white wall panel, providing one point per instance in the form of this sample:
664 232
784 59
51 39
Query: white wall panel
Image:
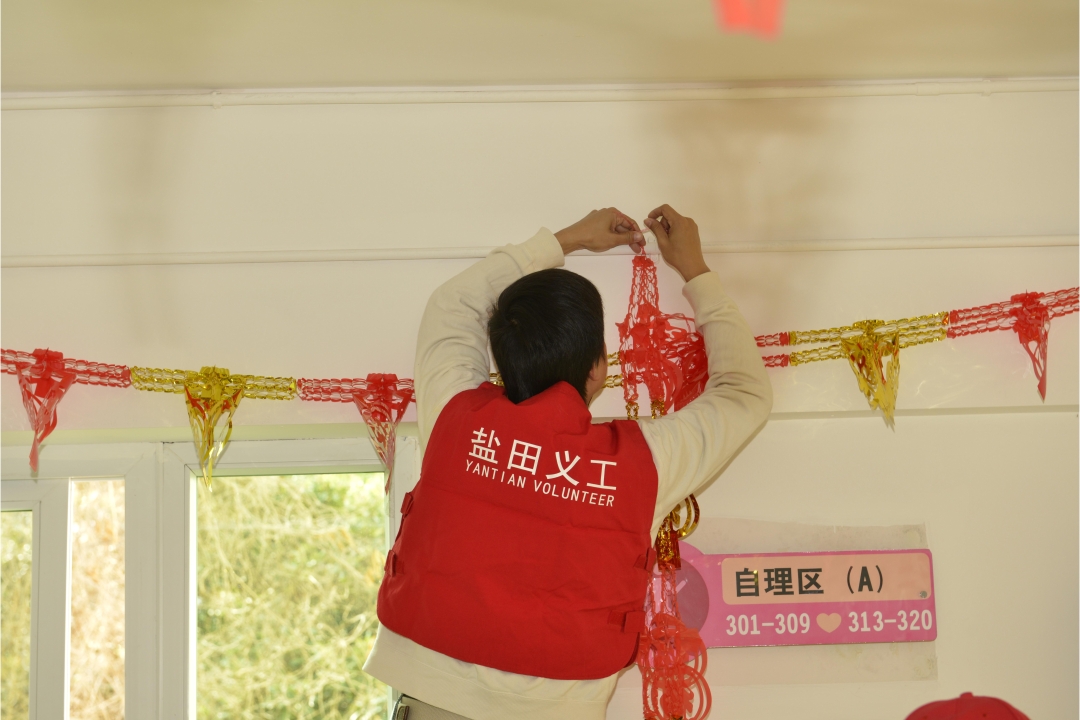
439 175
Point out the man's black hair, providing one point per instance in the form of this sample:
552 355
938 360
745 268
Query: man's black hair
546 327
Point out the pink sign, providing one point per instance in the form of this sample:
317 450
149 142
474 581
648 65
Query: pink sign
808 598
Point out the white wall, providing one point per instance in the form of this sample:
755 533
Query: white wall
998 496
991 474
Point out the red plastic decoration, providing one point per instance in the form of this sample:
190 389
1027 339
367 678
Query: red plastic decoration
1028 314
45 376
665 353
86 373
776 339
759 17
1032 326
671 656
43 383
776 360
380 398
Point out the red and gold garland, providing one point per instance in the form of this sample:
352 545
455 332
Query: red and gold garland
867 343
664 353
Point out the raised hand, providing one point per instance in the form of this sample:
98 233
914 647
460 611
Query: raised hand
601 230
679 241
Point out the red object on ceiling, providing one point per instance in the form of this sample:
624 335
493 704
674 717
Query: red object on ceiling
757 17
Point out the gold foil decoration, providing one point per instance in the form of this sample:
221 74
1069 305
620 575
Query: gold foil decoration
159 380
866 354
667 551
675 528
212 396
212 399
268 388
174 381
866 344
829 352
693 515
611 381
911 331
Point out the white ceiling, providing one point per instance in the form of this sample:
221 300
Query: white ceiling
148 44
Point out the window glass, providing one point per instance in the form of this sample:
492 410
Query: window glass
97 600
288 574
16 578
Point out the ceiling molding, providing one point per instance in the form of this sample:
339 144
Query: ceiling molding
460 253
528 94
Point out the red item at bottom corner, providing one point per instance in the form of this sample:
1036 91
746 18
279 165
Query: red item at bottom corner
968 707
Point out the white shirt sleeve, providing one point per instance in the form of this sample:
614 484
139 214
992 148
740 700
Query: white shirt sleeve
690 447
452 345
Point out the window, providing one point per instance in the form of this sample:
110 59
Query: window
42 507
298 526
288 573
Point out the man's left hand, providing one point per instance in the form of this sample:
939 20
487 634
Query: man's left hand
601 230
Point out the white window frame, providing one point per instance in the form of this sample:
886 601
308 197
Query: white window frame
48 493
50 594
160 495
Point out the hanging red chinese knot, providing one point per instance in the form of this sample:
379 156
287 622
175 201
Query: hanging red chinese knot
665 353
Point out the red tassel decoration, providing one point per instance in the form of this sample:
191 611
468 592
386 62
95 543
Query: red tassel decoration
381 399
1028 314
1033 328
43 383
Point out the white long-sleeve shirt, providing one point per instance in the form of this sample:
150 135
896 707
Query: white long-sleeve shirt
689 447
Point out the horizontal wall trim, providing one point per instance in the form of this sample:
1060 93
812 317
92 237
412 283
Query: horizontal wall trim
926 412
314 431
528 93
459 253
323 431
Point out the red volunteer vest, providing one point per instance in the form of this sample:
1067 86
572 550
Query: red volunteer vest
525 546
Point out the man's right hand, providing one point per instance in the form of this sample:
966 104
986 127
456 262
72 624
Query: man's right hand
680 244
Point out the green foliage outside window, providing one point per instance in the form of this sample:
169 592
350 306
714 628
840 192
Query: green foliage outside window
16 533
98 581
288 573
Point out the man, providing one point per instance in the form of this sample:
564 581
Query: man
516 585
